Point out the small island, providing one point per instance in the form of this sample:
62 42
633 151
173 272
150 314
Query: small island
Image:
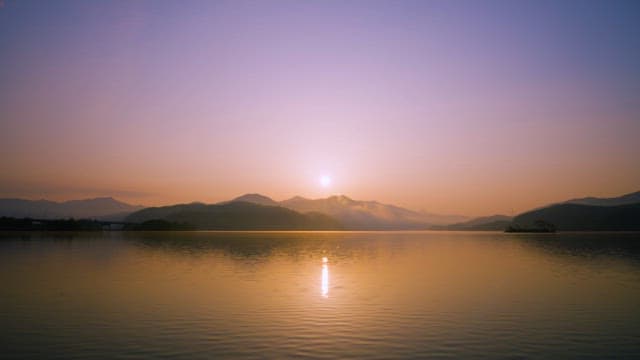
539 226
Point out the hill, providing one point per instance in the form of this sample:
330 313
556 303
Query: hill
105 207
578 217
255 199
237 215
626 199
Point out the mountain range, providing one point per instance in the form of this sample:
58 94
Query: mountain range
620 213
579 217
357 214
346 213
352 214
235 215
106 208
255 211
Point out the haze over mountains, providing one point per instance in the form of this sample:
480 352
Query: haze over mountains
591 213
98 208
345 213
494 222
352 214
255 211
356 214
236 215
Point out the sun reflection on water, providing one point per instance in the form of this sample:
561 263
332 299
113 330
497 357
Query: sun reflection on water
324 287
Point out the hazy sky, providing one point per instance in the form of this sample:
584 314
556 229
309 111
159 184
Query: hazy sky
461 107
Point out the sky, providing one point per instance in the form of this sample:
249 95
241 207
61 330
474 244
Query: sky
464 107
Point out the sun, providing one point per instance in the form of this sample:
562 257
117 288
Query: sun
325 181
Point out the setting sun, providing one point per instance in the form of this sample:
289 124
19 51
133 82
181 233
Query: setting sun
325 181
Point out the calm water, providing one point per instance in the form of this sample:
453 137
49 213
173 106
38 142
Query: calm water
319 295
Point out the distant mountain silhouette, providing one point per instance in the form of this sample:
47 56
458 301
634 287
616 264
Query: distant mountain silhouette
351 214
578 217
494 222
256 199
235 215
259 212
631 198
98 208
358 215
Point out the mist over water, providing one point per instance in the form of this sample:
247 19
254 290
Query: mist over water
319 295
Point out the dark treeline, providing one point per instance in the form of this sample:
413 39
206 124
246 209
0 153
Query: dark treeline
27 224
159 225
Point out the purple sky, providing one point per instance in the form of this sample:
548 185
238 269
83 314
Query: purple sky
472 107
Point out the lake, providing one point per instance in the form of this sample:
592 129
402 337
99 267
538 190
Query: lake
363 295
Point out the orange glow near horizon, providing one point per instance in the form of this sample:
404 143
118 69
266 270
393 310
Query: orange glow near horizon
474 109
